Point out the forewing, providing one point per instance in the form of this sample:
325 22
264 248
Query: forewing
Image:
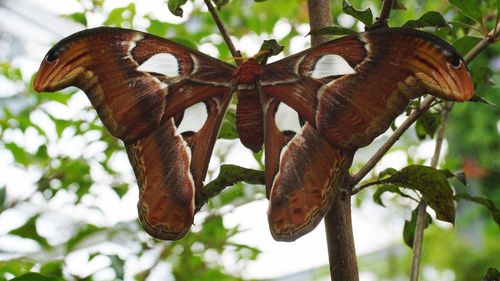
133 79
146 91
352 88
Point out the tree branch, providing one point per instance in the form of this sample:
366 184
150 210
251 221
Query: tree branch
422 206
424 106
228 176
489 39
338 224
384 15
363 186
235 53
319 17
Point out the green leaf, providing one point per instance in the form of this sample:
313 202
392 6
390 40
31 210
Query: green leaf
410 226
377 196
220 3
61 125
460 175
387 172
364 16
332 30
118 265
175 7
16 267
228 127
157 27
469 8
60 97
429 19
228 176
29 231
476 98
398 5
119 16
21 156
78 17
493 274
494 211
427 124
52 268
82 234
184 41
3 196
432 184
465 43
121 189
268 49
32 276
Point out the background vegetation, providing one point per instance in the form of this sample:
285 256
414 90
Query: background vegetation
40 141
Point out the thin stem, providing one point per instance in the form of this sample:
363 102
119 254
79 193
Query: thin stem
227 39
384 15
483 44
422 206
420 226
424 106
418 241
363 186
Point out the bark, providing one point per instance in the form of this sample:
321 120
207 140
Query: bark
338 224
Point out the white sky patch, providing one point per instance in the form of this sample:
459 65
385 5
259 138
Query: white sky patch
395 159
194 118
287 119
162 63
209 49
331 65
281 29
250 44
346 20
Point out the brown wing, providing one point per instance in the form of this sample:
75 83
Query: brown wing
303 173
349 91
143 87
352 88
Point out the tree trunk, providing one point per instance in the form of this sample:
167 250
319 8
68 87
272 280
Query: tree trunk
338 224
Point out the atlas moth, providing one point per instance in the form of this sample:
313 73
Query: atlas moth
310 111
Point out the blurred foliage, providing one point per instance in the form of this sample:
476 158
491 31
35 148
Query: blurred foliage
36 136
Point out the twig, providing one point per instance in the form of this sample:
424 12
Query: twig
425 105
363 186
422 206
418 240
489 39
228 176
384 15
223 31
420 225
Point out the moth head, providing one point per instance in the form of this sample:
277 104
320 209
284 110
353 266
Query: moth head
248 72
61 67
